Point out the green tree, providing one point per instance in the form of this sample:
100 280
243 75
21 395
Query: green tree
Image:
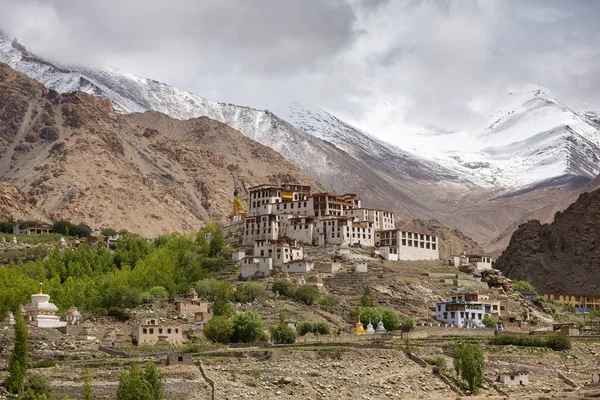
248 292
216 245
247 327
154 380
408 324
282 333
306 294
468 364
523 286
304 327
207 288
370 315
133 385
106 232
390 319
488 321
88 389
62 227
284 288
222 305
321 328
18 362
219 329
367 300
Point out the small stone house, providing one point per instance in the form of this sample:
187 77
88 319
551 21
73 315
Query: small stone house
179 359
150 330
517 378
360 267
238 255
327 267
298 266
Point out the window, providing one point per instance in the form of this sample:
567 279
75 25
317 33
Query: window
176 330
144 331
169 331
180 358
159 330
152 331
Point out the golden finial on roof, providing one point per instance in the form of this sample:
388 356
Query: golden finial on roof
40 291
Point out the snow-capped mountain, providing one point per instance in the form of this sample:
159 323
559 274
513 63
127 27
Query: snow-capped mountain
530 141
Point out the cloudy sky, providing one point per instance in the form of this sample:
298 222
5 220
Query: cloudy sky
384 65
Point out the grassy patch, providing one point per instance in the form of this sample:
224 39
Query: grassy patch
554 342
44 364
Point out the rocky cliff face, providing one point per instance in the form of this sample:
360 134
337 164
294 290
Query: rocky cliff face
560 257
147 173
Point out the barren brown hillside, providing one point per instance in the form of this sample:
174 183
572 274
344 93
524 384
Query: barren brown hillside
146 173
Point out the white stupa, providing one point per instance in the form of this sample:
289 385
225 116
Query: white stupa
41 313
380 328
370 330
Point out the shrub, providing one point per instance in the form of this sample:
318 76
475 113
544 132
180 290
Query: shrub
284 288
108 232
304 327
328 302
88 388
44 364
488 321
438 361
306 294
38 388
282 334
523 286
248 292
159 292
247 327
219 329
322 328
554 342
18 361
390 319
138 385
223 295
207 288
468 364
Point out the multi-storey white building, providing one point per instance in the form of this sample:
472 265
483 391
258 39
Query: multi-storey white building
281 251
467 309
259 266
301 229
479 261
260 227
406 245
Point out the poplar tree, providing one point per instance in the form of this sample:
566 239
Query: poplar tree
88 389
18 362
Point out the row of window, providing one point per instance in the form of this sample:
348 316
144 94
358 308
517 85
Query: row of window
160 331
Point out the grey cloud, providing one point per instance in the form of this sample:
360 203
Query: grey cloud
403 63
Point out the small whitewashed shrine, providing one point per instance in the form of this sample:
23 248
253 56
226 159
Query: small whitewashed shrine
40 312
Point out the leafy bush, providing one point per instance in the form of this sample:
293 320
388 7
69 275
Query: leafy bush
282 334
159 292
488 321
66 228
108 232
306 294
390 319
304 328
219 329
284 288
44 364
468 364
140 385
322 328
207 288
554 342
328 302
222 305
438 361
38 387
248 292
523 286
247 327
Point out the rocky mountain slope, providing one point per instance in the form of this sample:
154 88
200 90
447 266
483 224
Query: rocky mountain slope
560 257
532 153
147 173
17 205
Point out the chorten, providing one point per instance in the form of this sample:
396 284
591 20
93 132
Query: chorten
359 330
41 313
380 328
370 329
